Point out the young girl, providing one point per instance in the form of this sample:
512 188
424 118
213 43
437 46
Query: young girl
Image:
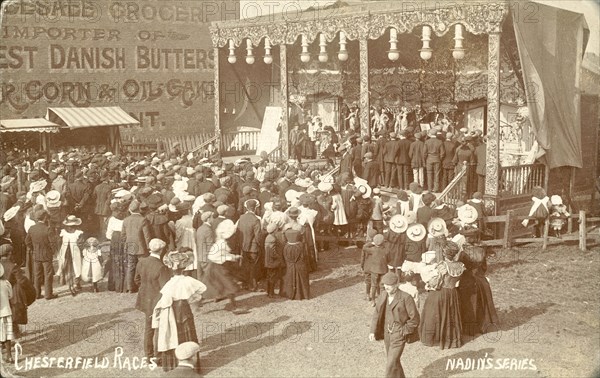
6 322
69 258
558 215
92 266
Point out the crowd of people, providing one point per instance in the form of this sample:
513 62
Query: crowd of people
177 229
400 152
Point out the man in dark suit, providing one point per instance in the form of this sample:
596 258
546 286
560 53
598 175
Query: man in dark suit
395 320
371 170
134 226
390 150
42 245
448 164
187 356
150 276
249 228
434 154
403 160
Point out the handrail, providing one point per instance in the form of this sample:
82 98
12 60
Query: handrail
204 144
455 182
275 154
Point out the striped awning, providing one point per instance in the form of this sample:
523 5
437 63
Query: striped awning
90 117
39 125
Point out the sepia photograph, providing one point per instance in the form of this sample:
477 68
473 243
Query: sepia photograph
300 188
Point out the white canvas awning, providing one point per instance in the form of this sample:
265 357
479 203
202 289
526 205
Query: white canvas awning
90 117
39 125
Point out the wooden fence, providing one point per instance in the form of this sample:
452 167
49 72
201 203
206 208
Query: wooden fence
509 220
520 180
237 141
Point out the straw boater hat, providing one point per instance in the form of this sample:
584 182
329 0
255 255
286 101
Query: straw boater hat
325 187
10 213
37 186
467 213
303 183
398 223
53 199
179 259
292 195
72 220
225 229
416 232
437 227
363 187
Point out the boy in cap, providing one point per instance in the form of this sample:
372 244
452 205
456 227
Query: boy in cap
417 161
395 320
188 360
374 266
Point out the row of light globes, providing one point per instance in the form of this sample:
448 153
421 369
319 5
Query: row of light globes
393 54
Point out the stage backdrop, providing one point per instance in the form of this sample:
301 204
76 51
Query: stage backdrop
152 58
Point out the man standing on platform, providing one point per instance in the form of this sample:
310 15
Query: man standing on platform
434 154
480 152
395 321
448 164
403 160
390 150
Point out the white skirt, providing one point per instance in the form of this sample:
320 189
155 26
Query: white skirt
6 328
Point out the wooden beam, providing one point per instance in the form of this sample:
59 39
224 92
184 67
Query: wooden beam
283 82
582 231
217 108
507 229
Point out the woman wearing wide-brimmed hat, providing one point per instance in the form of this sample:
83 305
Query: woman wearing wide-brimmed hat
441 319
69 257
173 318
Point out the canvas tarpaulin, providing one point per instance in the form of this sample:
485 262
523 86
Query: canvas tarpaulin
551 46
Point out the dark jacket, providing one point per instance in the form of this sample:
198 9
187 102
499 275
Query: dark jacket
374 259
273 252
249 228
390 151
133 233
102 192
150 276
434 151
404 312
450 150
371 172
158 227
41 242
23 291
416 154
403 156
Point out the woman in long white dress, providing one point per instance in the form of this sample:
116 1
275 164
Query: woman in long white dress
69 256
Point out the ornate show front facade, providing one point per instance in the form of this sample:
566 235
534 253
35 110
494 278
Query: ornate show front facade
459 63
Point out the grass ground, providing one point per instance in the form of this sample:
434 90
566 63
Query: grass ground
547 301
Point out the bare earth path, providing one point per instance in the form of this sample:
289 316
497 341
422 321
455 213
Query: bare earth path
548 303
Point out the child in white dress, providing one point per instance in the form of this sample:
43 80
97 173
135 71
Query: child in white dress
91 269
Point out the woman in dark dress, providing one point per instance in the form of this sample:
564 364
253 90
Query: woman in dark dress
173 309
477 309
296 283
440 320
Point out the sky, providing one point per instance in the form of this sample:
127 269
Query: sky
590 8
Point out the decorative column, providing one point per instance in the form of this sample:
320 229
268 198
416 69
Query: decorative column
217 112
365 121
283 81
492 154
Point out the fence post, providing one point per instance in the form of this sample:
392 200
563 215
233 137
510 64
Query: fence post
507 228
545 241
582 231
